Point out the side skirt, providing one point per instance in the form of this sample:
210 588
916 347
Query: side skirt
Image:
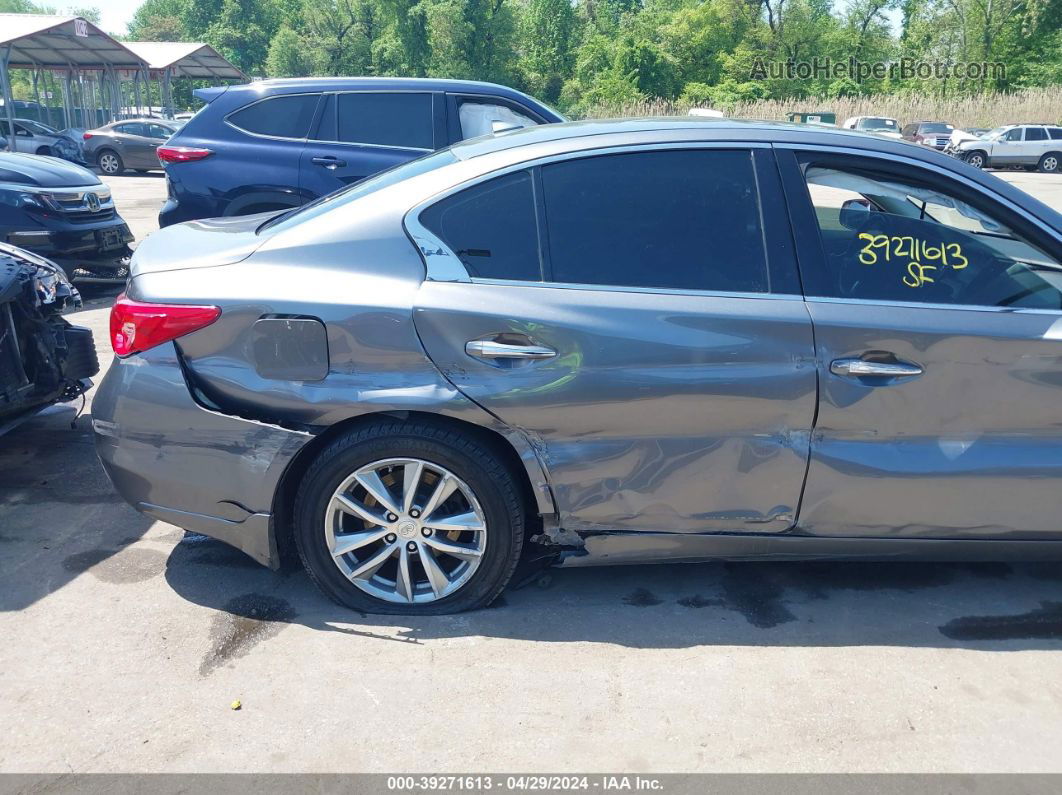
623 548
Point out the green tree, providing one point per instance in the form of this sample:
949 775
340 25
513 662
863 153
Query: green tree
288 55
547 32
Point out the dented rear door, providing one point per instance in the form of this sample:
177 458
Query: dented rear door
655 406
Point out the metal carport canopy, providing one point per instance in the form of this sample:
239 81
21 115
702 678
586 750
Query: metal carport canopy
61 42
185 59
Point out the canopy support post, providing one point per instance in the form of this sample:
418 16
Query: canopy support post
9 101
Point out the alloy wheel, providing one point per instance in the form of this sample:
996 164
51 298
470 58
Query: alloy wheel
405 530
977 161
1050 163
109 164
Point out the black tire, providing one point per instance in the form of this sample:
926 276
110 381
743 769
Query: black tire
44 151
1051 163
493 484
110 162
977 159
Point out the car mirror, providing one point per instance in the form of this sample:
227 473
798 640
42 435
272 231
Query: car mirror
854 213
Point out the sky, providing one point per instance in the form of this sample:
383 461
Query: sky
114 14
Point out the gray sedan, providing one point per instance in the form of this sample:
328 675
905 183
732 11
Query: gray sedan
602 342
131 143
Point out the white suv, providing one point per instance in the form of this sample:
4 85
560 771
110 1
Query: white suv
1030 145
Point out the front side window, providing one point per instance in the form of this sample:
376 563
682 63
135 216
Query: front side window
888 239
386 119
1013 135
284 116
681 219
478 118
491 228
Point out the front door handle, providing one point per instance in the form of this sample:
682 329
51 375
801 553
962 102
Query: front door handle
861 368
328 162
489 349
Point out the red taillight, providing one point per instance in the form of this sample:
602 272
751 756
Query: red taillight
137 326
182 154
86 136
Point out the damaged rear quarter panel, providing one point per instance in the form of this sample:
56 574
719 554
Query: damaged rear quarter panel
376 362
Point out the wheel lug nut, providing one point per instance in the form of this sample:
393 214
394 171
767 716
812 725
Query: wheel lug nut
426 531
411 547
414 513
392 518
390 538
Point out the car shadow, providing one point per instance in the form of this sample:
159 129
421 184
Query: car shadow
59 515
992 606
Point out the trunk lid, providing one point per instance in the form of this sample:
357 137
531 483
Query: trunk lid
200 244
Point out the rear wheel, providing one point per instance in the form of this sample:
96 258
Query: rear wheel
409 518
110 162
45 151
1050 162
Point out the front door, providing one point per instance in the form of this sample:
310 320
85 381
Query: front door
636 316
1006 150
361 133
938 327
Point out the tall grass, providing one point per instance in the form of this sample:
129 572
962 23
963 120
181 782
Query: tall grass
984 110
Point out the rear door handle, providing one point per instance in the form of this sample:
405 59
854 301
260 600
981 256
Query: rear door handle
489 349
861 368
328 162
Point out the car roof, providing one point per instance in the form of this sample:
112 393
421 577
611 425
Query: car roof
292 84
529 143
698 127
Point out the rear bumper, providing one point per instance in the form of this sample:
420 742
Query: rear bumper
178 462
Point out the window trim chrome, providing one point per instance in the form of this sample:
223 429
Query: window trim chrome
443 265
618 288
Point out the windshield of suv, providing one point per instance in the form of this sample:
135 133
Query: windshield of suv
410 168
877 124
936 127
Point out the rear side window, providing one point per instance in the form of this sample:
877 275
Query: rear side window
1055 133
285 116
669 219
1035 134
397 119
491 228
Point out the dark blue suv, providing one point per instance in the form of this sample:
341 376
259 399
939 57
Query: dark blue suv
276 144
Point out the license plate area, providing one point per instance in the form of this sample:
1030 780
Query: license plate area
109 239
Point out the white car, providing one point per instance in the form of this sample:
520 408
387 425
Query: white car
1036 146
879 125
